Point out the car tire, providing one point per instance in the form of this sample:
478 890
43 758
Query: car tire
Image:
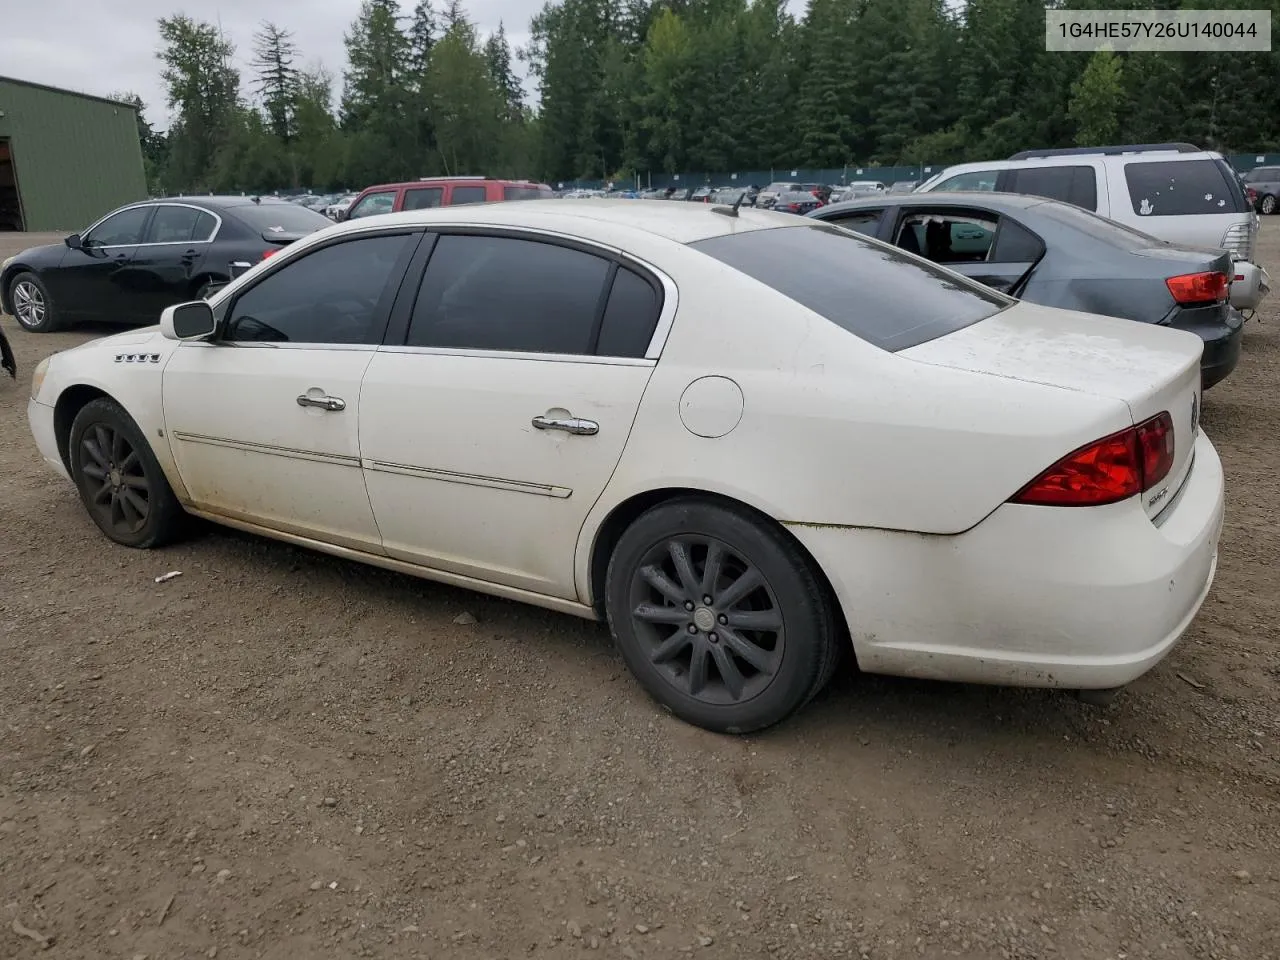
1268 205
120 481
760 650
32 306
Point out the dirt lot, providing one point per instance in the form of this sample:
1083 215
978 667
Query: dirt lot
288 756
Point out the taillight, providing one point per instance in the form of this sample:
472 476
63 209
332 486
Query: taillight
1253 195
1199 287
268 254
1109 470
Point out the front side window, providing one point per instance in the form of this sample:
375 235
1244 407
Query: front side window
173 224
1175 188
953 237
121 229
977 180
873 291
331 295
467 195
373 204
504 293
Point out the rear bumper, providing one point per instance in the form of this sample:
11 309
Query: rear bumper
1221 327
1033 596
1250 285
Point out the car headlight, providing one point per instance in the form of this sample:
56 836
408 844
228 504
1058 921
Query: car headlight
37 377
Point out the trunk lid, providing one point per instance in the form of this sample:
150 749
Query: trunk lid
1151 369
283 238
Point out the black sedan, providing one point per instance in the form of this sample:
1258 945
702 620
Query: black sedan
797 201
1059 255
137 260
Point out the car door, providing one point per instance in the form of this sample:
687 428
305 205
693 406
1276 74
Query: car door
92 282
263 420
167 262
490 426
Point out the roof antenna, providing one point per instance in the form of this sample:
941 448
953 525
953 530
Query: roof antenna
730 211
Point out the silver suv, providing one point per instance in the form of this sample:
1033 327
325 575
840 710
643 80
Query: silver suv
1172 191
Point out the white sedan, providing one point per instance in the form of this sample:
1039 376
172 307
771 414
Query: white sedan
750 440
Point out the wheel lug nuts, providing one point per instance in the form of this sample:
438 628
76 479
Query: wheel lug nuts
688 604
692 628
723 619
713 638
707 601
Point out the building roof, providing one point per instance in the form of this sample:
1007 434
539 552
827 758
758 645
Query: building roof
69 93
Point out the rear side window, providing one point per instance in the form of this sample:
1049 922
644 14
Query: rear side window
1015 243
423 198
1074 185
877 293
503 293
630 316
1177 188
524 193
173 224
467 195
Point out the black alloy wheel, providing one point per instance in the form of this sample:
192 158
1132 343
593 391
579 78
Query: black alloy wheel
719 615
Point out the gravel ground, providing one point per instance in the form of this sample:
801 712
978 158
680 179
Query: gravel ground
284 755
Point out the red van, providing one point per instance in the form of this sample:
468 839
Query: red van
441 192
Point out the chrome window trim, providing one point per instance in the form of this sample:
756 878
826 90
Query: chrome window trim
152 204
589 358
264 345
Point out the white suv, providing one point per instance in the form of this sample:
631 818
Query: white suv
1173 191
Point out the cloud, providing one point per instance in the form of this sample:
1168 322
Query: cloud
104 48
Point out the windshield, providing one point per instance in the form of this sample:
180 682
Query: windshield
272 218
872 290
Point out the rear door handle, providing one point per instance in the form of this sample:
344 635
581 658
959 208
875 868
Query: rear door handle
582 428
324 403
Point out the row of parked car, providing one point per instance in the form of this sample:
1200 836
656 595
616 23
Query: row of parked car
1161 233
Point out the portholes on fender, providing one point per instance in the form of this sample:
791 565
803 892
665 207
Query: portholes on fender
711 407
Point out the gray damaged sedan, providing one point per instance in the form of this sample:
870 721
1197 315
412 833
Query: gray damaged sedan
1058 255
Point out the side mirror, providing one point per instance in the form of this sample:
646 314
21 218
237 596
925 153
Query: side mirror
188 321
74 242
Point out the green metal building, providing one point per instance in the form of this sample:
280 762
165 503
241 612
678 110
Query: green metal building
66 158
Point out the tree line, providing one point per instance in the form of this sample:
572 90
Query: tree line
628 87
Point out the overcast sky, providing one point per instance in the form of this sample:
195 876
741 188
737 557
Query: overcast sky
102 48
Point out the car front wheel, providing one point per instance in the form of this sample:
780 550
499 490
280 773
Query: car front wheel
31 304
120 481
719 615
1268 204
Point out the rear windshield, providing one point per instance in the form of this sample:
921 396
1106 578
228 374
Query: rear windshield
872 290
526 193
780 187
1111 232
280 218
1176 188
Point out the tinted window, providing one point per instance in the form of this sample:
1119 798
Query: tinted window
120 229
468 195
372 204
1174 188
1076 185
977 180
1015 243
500 293
280 218
877 293
205 225
329 296
176 225
864 221
630 316
423 198
524 193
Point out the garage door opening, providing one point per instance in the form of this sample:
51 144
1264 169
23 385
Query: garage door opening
10 204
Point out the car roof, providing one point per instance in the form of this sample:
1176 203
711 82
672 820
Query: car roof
1075 159
455 181
982 198
214 202
682 223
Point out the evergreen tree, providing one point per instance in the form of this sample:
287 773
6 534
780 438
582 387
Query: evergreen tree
1096 101
204 90
274 53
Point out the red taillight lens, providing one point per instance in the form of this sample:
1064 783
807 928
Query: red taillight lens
268 254
1109 470
1252 194
1199 287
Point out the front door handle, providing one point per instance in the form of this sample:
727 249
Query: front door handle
324 403
582 428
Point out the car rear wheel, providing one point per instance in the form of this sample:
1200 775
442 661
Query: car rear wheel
719 615
1268 204
120 482
32 306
